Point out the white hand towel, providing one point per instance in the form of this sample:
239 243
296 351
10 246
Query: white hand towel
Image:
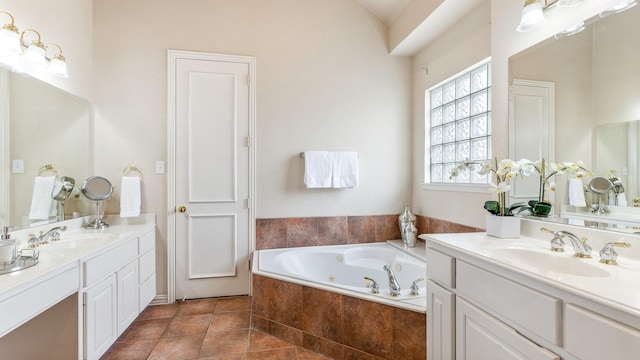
317 169
42 204
576 193
577 222
621 200
130 198
345 169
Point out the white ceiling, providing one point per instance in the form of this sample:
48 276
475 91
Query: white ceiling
385 10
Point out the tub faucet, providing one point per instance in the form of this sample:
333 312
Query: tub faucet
394 287
579 245
53 233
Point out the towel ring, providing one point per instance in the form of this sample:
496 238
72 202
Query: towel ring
132 168
47 167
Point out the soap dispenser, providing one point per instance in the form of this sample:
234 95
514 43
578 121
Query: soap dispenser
7 246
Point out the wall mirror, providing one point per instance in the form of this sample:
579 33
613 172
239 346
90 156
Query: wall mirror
596 76
41 124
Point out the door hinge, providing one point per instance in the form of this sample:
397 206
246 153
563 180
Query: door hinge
248 80
248 141
248 203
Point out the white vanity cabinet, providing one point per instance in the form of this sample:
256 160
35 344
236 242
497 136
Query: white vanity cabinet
461 300
116 288
481 309
146 269
100 317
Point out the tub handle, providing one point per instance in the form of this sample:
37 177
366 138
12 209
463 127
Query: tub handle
375 288
414 287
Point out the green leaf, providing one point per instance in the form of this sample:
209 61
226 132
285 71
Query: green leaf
492 207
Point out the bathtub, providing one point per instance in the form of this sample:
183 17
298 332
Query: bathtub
342 268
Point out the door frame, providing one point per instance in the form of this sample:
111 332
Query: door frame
172 57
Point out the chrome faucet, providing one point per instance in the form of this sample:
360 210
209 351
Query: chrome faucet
375 288
415 289
394 287
608 255
579 245
53 234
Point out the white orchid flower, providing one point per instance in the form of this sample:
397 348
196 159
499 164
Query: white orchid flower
502 187
552 186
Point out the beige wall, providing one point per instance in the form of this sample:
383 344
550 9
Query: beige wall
463 45
324 82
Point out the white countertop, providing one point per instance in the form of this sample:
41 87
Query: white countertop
76 243
616 286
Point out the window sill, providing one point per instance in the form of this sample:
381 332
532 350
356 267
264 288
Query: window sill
476 188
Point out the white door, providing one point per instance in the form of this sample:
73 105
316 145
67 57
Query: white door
212 175
531 130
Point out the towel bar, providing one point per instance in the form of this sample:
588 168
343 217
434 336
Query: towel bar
47 167
302 155
132 168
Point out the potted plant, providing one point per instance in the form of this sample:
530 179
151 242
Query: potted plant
500 220
545 170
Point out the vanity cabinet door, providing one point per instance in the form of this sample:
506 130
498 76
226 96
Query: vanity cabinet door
592 336
481 336
127 295
100 317
440 322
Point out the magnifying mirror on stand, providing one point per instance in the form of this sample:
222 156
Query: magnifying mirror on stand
98 189
61 191
600 186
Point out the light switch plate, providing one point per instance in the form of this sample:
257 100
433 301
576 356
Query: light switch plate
159 167
17 166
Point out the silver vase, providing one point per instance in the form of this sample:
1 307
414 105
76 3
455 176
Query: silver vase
404 220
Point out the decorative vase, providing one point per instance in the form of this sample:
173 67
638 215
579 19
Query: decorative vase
506 227
409 235
404 220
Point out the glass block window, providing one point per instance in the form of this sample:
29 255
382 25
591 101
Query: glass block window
459 122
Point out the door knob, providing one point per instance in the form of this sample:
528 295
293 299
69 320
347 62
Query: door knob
182 209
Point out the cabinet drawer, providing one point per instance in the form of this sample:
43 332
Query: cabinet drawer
441 267
147 266
147 292
107 263
479 335
23 306
592 336
529 309
146 242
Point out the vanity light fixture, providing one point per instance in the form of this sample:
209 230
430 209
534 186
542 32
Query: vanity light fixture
532 16
618 8
568 3
9 35
34 50
58 63
28 43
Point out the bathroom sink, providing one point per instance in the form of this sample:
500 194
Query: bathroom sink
81 240
548 261
86 236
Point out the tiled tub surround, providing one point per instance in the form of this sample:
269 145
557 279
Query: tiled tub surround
338 326
343 268
339 230
341 322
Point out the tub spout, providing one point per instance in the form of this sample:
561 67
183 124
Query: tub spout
394 287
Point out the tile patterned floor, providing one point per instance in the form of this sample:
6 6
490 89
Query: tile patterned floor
202 329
